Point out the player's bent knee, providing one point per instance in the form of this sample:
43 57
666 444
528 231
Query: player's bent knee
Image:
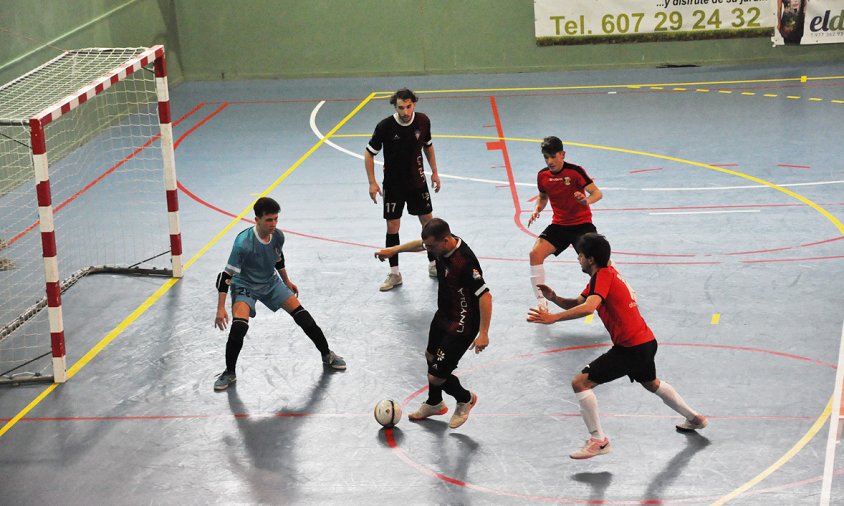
537 257
434 380
580 383
651 386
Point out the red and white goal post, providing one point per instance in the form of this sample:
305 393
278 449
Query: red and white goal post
85 143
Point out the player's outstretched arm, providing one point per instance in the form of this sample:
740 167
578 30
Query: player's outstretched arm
583 307
408 247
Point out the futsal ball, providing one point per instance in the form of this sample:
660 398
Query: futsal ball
388 413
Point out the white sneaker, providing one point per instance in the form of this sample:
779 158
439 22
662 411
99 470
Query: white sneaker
426 410
461 412
392 281
592 448
432 270
699 422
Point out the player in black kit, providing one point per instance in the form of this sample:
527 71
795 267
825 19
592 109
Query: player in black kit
403 136
464 310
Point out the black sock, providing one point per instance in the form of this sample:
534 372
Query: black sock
453 388
304 319
435 394
393 240
233 346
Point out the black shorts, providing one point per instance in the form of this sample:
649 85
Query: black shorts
636 362
447 349
563 236
418 201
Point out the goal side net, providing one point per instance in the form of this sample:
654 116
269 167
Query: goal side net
87 185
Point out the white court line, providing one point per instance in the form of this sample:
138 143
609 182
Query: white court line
316 131
709 212
834 420
319 135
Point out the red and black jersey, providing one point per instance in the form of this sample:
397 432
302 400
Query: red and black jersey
461 283
402 146
618 310
560 188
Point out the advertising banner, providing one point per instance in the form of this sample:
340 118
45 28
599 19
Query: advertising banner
560 22
809 22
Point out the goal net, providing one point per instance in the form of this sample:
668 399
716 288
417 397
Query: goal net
87 185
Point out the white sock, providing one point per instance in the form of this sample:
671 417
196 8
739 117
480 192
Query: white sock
537 277
589 411
673 400
394 269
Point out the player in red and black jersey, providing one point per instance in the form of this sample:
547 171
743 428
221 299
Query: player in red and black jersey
404 136
571 191
461 323
634 345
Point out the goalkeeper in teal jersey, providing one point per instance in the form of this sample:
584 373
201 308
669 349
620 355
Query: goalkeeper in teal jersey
256 272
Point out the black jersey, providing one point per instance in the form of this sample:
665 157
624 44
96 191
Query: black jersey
461 283
402 146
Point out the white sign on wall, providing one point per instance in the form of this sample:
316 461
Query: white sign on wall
609 21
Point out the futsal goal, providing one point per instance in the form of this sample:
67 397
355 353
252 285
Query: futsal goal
87 186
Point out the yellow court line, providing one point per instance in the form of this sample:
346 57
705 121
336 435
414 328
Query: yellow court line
105 341
716 318
782 460
610 86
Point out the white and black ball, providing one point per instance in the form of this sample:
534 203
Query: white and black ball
388 413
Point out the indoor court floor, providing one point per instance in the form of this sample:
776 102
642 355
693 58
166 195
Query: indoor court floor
723 203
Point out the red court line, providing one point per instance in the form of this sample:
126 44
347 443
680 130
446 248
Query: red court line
502 145
134 418
793 166
831 257
644 170
204 120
